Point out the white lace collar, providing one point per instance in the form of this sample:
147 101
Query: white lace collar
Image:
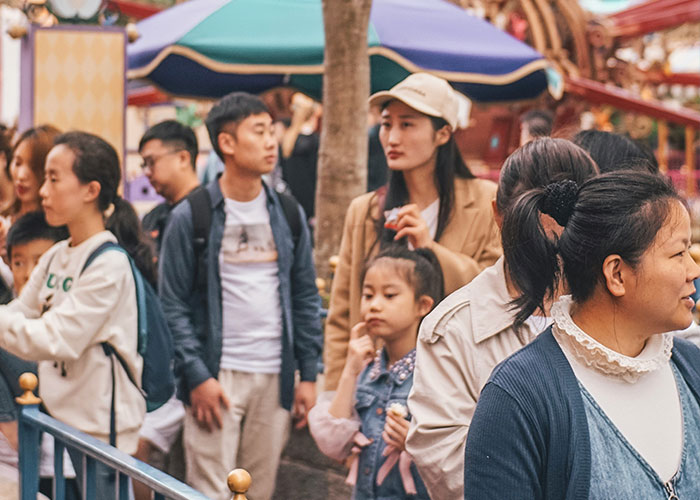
593 354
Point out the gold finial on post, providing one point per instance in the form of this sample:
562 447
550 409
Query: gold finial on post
17 31
132 32
28 382
238 482
321 285
333 262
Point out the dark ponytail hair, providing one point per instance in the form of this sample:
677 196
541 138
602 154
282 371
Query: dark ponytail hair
538 163
615 213
96 160
449 165
424 275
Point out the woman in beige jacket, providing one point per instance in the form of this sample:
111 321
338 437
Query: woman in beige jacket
432 201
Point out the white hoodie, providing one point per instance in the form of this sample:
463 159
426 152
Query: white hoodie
60 320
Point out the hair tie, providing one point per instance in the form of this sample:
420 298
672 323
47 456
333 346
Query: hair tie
108 211
559 200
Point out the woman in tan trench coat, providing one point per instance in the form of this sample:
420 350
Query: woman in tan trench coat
432 201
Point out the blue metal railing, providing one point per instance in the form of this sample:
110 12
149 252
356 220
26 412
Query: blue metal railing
32 423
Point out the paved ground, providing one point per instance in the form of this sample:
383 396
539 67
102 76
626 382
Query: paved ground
306 474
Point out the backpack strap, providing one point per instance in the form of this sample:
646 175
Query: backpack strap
290 207
200 205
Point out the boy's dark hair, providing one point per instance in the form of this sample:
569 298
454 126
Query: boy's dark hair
233 108
30 227
539 122
616 152
175 134
615 213
425 276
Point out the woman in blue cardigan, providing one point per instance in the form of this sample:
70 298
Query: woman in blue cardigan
604 404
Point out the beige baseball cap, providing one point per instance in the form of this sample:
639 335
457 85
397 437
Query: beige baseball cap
426 93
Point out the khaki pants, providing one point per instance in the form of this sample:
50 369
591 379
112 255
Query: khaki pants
254 433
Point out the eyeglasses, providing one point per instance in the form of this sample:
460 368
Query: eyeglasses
150 161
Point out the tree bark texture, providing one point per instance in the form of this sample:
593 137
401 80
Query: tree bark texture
342 162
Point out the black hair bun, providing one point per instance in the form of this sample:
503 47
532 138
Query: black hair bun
559 200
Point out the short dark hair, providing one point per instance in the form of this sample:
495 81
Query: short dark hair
616 152
539 122
30 227
232 108
173 133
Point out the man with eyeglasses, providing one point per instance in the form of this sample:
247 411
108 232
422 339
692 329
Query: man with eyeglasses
169 151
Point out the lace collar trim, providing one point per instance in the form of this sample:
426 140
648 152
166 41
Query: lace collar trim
595 355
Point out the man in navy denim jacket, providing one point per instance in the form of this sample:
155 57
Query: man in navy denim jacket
240 342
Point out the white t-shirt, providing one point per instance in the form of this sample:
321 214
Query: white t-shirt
430 216
251 310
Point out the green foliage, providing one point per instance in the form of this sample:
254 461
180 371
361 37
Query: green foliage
187 115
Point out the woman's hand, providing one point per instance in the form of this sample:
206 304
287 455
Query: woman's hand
410 224
395 431
360 350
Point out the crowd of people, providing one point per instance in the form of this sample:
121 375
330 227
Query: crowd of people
510 340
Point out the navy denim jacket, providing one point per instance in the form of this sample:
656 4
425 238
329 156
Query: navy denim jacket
198 348
377 388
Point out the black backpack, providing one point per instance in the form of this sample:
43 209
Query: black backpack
200 204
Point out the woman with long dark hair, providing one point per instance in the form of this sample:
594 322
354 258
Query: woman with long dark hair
604 404
432 201
67 311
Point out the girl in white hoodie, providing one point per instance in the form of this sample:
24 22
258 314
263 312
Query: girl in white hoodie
65 312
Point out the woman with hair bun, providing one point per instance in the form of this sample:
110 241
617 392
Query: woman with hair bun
474 329
604 404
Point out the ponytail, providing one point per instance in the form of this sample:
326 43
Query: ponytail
531 259
96 160
618 213
125 225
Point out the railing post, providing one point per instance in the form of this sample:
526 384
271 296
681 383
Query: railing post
239 482
28 439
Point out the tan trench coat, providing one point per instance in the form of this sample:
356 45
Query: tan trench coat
469 243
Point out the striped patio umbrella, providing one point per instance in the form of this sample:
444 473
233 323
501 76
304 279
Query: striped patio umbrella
207 48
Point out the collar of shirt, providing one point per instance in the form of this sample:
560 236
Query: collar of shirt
399 372
490 309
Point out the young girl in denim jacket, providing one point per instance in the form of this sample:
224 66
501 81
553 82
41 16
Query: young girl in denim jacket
366 419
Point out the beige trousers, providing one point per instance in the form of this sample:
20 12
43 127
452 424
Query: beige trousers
254 433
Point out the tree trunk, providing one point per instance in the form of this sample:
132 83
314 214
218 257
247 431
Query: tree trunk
342 160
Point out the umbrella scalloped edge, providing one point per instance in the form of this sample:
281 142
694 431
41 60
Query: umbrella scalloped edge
250 69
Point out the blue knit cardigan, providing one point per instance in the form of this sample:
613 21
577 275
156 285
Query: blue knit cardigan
529 435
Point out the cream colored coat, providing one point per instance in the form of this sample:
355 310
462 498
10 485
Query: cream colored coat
469 243
459 344
61 319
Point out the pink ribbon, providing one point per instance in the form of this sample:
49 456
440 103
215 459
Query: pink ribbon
404 459
393 455
359 441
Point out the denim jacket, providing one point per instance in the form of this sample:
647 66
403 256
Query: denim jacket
198 338
377 388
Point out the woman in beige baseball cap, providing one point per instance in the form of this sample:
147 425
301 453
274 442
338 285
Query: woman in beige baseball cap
432 200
